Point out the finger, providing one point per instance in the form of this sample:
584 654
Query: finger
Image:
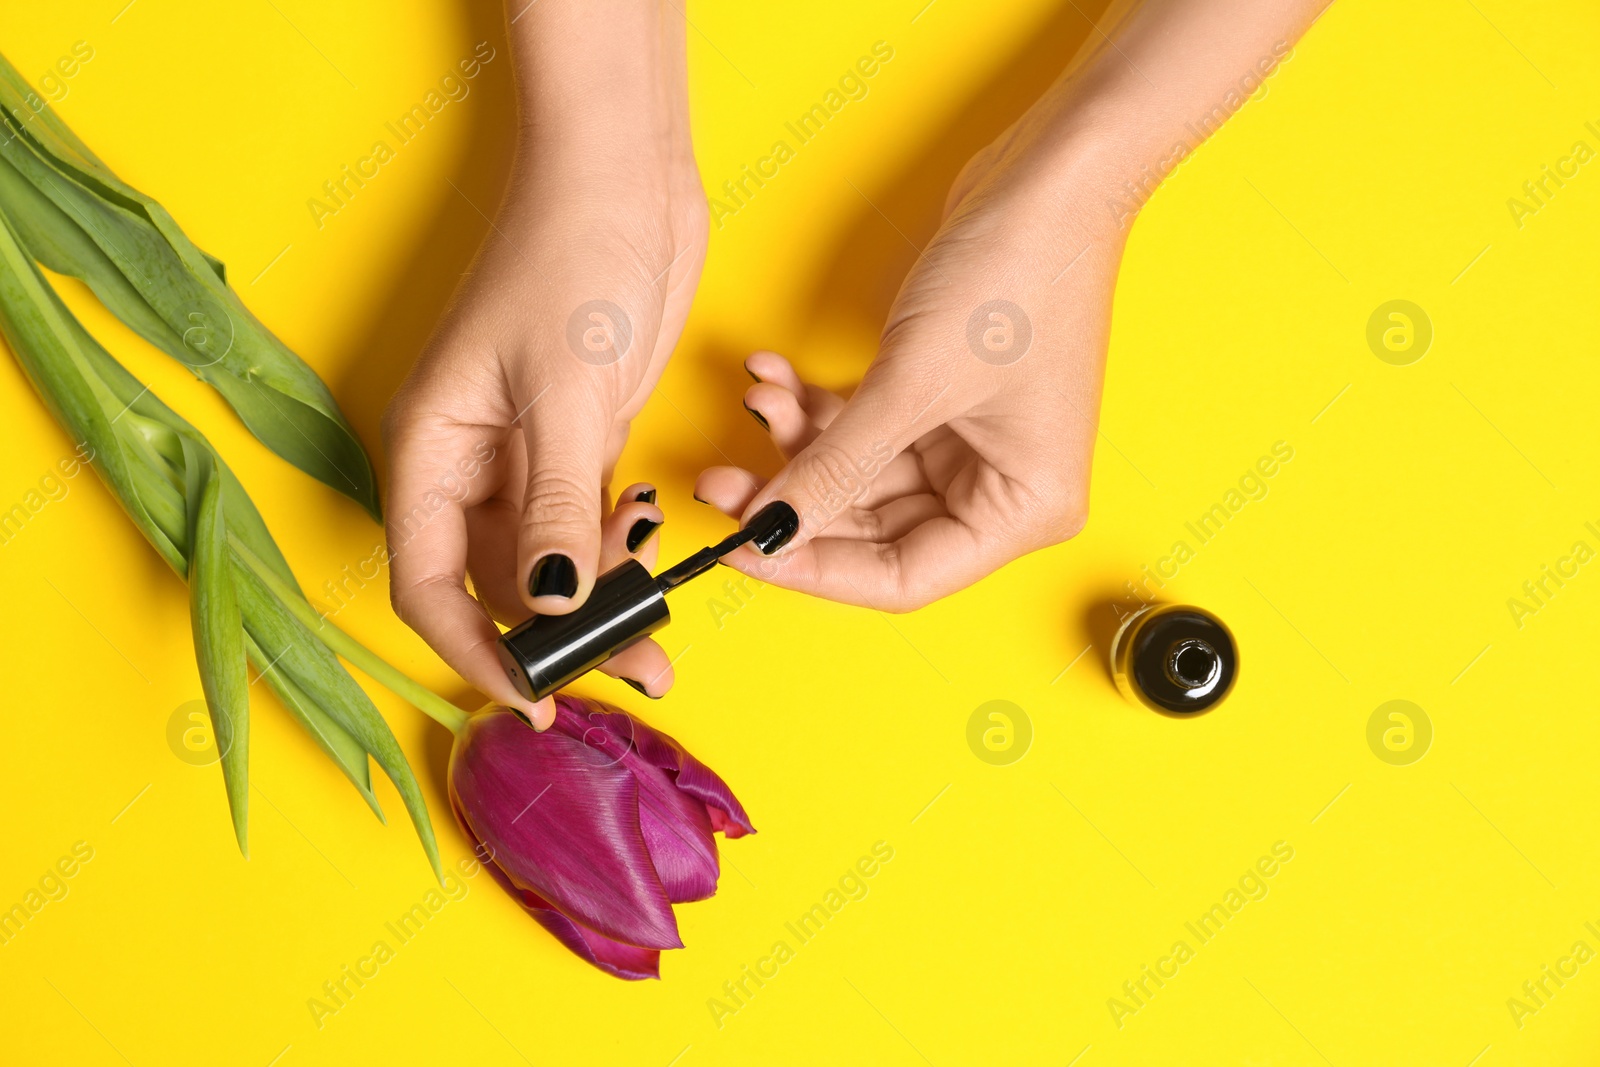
773 368
835 471
643 666
427 571
558 545
819 404
491 554
728 489
638 491
630 530
780 414
937 558
897 518
492 528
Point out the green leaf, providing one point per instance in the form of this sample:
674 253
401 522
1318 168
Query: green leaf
144 452
321 677
77 218
345 751
218 632
163 430
56 355
62 144
52 238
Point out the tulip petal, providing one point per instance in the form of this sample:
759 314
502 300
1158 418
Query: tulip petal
613 957
678 833
581 849
651 747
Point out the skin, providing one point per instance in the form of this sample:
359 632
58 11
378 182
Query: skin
969 441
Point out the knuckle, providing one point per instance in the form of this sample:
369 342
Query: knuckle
1067 518
869 524
407 595
1072 521
909 590
1052 513
832 481
557 502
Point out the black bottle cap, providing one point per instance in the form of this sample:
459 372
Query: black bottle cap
548 651
1175 659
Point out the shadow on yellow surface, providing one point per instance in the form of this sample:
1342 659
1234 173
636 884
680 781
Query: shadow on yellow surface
427 270
858 281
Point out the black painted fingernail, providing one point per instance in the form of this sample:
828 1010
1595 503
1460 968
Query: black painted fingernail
640 687
554 575
646 497
772 527
757 416
640 533
752 373
698 500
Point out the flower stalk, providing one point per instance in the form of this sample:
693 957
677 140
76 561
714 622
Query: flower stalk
368 662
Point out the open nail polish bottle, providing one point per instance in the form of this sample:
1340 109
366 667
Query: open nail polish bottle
627 604
1174 659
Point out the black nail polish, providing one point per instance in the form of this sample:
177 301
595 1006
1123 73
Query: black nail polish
646 497
1175 659
640 687
757 416
554 575
697 499
640 533
753 375
772 527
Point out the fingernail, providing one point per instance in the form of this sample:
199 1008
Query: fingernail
554 575
698 500
528 719
640 533
752 373
646 497
773 526
640 687
757 416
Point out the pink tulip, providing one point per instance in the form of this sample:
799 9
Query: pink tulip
596 826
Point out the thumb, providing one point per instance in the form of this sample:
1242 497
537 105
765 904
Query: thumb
558 543
835 471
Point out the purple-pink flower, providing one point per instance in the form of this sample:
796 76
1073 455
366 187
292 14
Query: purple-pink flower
596 826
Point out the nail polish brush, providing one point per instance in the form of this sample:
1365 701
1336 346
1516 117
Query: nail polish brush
627 604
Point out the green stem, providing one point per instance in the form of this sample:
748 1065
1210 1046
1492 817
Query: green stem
371 664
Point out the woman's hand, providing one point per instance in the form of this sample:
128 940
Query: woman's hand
503 438
970 439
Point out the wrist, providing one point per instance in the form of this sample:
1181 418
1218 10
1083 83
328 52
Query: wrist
1112 135
602 81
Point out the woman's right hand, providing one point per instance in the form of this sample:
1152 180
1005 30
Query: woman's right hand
502 440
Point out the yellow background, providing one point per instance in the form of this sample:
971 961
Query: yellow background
1376 166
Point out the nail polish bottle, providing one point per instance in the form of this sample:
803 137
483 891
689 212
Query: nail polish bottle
1174 659
626 605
